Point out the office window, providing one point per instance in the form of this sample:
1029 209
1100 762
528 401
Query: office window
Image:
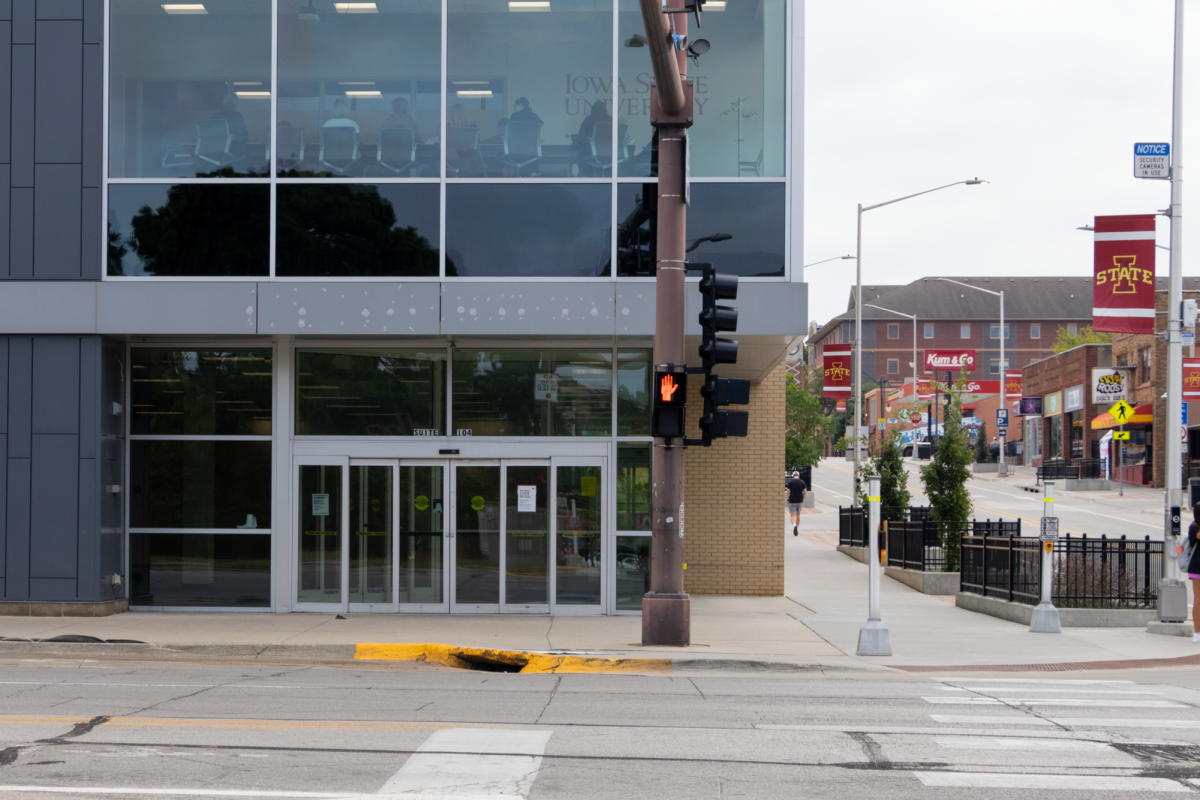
528 230
200 392
510 115
893 330
1056 443
200 569
199 484
190 229
533 392
634 374
1072 330
994 366
739 89
344 392
1035 331
189 94
360 93
633 486
928 331
964 331
893 365
349 229
994 332
752 214
1144 364
1123 360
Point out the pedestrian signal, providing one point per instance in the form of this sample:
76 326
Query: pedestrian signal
670 405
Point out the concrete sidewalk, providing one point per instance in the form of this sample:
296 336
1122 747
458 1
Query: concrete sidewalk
816 623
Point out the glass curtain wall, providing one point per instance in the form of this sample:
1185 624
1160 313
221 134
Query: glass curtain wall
200 477
354 141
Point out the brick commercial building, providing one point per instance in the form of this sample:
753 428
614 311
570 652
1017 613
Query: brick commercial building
1063 431
313 311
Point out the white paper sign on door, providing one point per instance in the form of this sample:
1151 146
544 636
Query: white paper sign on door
526 499
545 386
320 505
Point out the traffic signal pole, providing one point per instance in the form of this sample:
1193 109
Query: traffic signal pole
666 608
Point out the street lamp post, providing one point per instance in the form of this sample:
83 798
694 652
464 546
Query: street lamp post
1003 363
858 315
914 361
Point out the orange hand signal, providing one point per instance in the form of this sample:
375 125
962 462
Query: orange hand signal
668 388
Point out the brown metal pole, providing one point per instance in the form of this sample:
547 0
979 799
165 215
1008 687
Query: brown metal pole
666 608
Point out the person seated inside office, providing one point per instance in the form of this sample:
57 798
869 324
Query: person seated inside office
501 128
587 131
401 118
237 123
522 112
339 118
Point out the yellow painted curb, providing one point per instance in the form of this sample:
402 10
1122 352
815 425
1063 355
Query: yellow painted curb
525 661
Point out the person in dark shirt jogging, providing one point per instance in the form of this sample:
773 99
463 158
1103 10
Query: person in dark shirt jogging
796 489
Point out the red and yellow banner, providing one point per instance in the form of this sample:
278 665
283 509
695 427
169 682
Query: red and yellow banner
1191 379
1123 285
839 377
1012 384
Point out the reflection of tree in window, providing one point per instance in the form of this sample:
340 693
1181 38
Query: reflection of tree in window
205 230
369 394
116 252
347 230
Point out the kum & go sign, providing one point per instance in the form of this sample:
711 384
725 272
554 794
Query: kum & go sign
940 360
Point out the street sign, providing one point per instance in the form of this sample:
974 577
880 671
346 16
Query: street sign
1003 432
1121 412
1152 161
1185 415
1121 436
1189 338
1049 531
1001 417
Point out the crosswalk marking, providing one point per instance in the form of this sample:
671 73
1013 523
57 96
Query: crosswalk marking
1000 743
1066 722
1050 701
1067 682
474 762
1012 780
1048 689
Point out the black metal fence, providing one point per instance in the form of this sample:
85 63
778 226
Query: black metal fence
915 545
1088 573
913 540
852 521
1058 469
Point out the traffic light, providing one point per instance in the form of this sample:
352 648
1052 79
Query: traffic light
715 318
715 422
670 405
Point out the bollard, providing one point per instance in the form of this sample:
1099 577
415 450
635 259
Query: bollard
1045 616
873 639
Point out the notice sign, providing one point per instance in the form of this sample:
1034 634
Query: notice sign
838 378
1152 160
1049 531
1123 285
526 499
320 505
587 486
545 386
949 360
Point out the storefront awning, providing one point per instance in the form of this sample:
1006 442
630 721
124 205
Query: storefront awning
1142 415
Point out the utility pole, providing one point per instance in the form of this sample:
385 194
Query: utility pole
666 608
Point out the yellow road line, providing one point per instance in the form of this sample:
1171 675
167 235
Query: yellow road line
525 661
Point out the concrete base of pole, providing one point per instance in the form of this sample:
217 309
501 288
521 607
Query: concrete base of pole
666 620
873 639
1045 619
1172 600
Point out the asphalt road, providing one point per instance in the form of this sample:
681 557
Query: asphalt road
97 729
1136 515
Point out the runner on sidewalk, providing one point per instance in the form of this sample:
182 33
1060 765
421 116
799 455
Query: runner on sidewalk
796 489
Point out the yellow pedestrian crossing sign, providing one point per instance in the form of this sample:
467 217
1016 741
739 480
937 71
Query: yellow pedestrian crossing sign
1122 412
1121 436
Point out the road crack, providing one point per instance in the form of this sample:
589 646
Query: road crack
549 700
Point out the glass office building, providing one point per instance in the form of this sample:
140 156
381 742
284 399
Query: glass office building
368 324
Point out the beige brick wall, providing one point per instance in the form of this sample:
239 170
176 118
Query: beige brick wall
734 499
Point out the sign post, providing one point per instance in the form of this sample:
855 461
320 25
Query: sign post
1045 616
873 638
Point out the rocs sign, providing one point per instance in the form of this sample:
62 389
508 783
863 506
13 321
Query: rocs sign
1109 385
955 360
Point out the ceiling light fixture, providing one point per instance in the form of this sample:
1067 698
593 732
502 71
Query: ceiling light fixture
528 5
356 8
474 93
714 5
364 94
252 95
184 8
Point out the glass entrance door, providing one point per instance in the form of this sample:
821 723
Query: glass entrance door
579 542
422 553
477 510
371 541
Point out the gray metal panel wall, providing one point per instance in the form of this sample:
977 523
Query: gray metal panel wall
51 454
50 159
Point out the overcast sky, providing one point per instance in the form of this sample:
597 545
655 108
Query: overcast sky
1045 98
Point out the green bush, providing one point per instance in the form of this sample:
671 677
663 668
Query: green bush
945 482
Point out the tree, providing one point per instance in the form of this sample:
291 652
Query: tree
808 428
945 481
1085 335
983 452
888 464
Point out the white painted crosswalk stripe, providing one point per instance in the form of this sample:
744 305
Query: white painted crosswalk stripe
1050 701
1082 783
472 762
966 719
1049 689
1066 722
992 743
1044 682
